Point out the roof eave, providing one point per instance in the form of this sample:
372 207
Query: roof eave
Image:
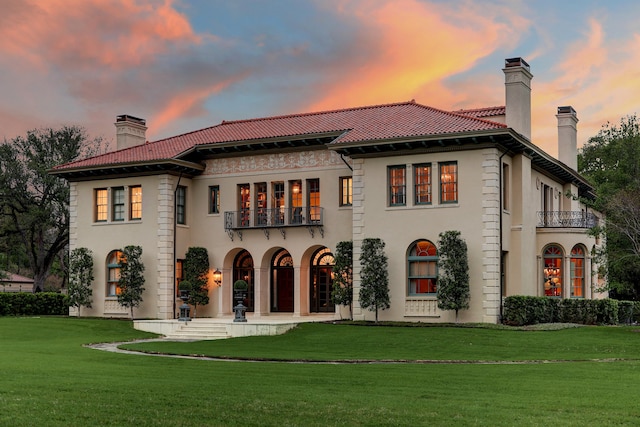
149 167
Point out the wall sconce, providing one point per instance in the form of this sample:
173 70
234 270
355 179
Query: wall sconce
217 277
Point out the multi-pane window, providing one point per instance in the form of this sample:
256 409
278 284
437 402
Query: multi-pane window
346 191
135 202
423 268
313 200
422 183
181 205
448 182
577 272
244 204
117 204
552 272
113 273
277 202
397 185
261 203
295 199
214 199
505 186
101 204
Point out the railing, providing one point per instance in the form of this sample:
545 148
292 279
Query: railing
273 218
567 219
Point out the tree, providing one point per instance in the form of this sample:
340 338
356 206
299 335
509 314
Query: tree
196 270
453 272
342 293
374 277
611 161
80 278
34 203
131 281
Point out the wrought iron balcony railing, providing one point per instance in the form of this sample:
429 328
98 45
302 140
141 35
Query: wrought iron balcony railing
279 218
567 219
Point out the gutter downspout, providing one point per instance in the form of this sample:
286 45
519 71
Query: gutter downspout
345 162
175 226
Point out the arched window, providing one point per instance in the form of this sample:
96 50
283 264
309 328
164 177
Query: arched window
423 268
321 283
577 271
552 272
113 273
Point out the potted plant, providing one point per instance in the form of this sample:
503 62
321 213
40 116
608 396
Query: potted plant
240 290
184 287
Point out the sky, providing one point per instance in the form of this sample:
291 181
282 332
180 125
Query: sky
184 65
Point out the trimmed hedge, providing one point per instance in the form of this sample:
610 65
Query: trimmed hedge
38 304
522 310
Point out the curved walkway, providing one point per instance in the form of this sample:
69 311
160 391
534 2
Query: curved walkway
113 347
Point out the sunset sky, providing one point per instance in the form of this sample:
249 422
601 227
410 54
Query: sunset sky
187 64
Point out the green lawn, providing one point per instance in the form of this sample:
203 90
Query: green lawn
48 379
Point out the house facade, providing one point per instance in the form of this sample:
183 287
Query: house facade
271 198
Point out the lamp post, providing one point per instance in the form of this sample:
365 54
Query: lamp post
185 310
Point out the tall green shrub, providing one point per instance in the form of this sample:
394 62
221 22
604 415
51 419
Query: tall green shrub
80 278
342 293
131 278
196 270
374 277
453 273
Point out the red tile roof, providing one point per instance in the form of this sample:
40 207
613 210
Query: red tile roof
362 124
483 112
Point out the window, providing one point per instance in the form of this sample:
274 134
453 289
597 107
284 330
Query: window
277 202
113 273
179 275
313 200
117 204
101 205
214 199
448 182
295 198
397 184
577 272
552 271
244 204
135 202
181 205
261 203
422 184
423 268
346 191
505 186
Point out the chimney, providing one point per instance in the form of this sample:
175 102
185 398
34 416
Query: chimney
517 81
130 131
568 136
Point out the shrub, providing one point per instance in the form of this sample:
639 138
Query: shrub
520 310
38 304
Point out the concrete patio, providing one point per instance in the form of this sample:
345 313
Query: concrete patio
225 327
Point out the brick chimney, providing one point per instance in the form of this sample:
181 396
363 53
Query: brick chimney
517 81
568 136
130 131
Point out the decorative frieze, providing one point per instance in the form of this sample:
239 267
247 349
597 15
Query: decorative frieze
276 162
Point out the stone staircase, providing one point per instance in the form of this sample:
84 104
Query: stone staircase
200 329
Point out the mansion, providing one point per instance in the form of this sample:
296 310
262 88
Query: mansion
270 199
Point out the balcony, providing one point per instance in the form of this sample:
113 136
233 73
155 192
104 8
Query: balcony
567 219
235 222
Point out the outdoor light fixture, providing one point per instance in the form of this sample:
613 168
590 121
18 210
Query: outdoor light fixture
217 277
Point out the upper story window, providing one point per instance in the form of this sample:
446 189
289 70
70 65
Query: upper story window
181 205
506 179
553 271
261 203
422 183
449 182
113 273
277 201
214 199
117 204
346 191
397 185
101 205
422 268
244 204
313 199
135 202
295 199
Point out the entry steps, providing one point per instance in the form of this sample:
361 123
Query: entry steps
200 330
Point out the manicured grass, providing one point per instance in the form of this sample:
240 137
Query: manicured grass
47 378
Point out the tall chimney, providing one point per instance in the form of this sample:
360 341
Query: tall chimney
517 81
568 136
130 131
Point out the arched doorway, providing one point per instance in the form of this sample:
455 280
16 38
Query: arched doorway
321 282
243 270
282 282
